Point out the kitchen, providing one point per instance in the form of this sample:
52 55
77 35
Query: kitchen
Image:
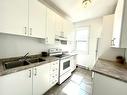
49 48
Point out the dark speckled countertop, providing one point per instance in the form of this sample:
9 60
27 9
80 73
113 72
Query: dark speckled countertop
13 70
111 69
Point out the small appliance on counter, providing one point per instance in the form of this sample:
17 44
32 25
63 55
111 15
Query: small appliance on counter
44 54
120 59
64 63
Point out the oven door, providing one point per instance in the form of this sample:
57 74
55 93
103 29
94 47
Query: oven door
65 65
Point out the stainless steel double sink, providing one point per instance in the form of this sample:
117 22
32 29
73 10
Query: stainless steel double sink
18 63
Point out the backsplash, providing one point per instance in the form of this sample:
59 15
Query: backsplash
13 46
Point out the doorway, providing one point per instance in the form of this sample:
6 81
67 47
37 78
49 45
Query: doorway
82 45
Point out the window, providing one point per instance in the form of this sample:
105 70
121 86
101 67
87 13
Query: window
82 40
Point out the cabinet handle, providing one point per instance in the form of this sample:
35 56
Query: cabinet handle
25 28
30 73
35 72
31 31
113 41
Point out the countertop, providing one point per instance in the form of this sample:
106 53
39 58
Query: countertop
13 70
111 69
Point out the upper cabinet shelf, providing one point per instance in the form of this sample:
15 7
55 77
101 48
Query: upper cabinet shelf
119 37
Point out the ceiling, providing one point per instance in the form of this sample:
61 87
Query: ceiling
77 12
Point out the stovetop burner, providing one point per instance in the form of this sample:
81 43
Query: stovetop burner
61 56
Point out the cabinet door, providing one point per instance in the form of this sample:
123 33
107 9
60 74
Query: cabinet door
14 16
118 23
54 73
73 63
50 33
71 32
37 19
58 25
41 75
103 85
19 83
66 27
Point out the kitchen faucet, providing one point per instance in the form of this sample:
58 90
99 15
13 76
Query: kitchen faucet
24 57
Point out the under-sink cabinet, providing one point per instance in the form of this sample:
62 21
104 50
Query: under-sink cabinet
33 81
19 83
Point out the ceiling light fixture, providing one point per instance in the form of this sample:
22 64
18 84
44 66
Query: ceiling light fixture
86 2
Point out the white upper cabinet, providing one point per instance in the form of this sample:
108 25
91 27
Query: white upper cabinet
58 25
37 19
120 21
50 33
32 18
23 17
65 28
14 16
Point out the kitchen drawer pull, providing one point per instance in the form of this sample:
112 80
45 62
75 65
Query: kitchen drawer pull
30 73
25 28
31 31
35 72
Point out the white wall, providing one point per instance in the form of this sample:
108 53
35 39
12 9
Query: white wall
95 31
126 55
14 46
105 35
105 51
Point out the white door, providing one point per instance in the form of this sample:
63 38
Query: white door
37 19
41 76
50 33
14 16
19 83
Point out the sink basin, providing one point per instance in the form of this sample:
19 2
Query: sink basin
14 64
19 63
35 60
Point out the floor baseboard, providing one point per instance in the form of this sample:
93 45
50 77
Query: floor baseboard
83 67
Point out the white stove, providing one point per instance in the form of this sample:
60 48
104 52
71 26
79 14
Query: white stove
64 64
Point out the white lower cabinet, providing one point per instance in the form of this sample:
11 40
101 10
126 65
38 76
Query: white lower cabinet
103 85
19 83
54 72
44 77
34 81
41 76
73 63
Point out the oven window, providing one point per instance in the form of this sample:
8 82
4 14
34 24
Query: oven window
66 65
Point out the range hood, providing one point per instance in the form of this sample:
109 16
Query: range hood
61 40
